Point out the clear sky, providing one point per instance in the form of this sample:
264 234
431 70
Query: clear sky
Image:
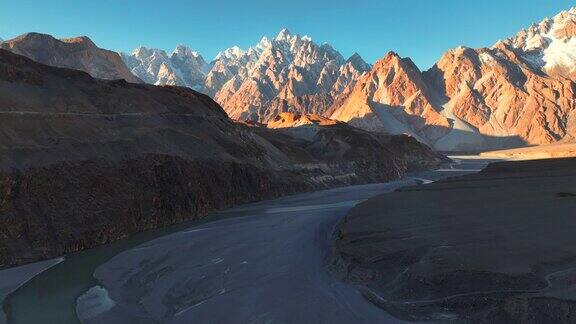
420 29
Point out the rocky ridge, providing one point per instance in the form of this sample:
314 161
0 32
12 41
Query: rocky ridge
78 53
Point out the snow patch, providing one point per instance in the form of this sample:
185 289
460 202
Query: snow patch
549 44
231 53
560 54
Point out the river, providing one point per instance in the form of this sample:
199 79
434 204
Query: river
254 263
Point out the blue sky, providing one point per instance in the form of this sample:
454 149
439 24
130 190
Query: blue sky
420 29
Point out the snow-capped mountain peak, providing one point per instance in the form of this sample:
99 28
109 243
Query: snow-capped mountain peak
549 45
242 81
233 52
283 35
183 67
263 44
183 50
143 51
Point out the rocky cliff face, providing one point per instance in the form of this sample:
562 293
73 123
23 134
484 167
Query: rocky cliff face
78 53
85 161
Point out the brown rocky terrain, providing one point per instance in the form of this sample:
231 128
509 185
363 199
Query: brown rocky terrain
85 161
441 252
504 95
78 53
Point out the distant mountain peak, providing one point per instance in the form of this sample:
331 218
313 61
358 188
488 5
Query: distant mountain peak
264 41
263 44
183 50
548 45
142 51
233 52
354 57
358 62
390 56
284 34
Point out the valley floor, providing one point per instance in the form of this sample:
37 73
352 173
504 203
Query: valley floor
496 246
535 152
263 262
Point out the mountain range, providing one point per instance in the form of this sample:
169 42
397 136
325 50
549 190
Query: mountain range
286 73
520 91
